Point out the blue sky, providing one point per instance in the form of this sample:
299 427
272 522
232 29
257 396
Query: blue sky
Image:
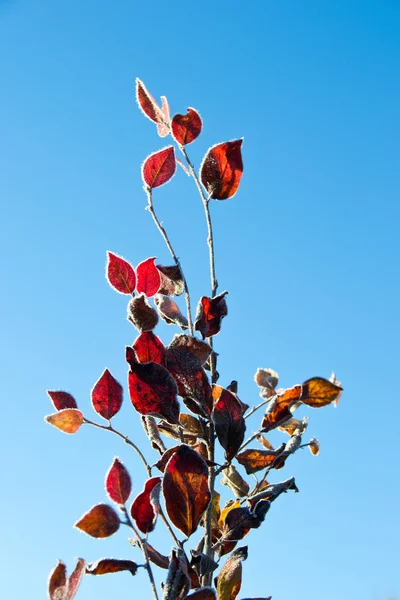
308 250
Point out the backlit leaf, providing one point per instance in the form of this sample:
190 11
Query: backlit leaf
266 378
147 104
148 277
156 557
264 442
159 167
221 169
186 128
162 462
152 390
191 425
75 578
146 506
149 348
230 425
118 482
293 425
120 274
170 312
57 584
100 522
233 479
230 577
172 281
255 460
104 566
62 400
141 314
107 396
210 312
67 420
278 410
313 444
318 392
185 488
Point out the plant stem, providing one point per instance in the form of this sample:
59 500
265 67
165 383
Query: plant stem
253 410
142 546
161 229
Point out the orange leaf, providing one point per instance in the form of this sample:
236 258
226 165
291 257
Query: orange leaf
221 169
100 522
319 392
255 460
313 444
68 420
278 410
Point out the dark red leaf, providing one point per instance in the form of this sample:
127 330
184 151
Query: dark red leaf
156 557
221 169
62 400
146 506
118 482
57 584
186 128
148 277
141 314
75 578
100 522
107 396
147 103
279 408
170 311
191 378
149 348
201 350
162 462
230 425
210 312
172 280
185 488
104 566
152 389
159 167
120 274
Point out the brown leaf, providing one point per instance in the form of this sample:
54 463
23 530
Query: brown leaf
172 280
185 488
319 392
255 460
173 431
101 521
293 425
156 557
153 434
230 577
266 378
313 444
57 584
170 312
104 566
209 314
142 316
264 442
272 490
233 479
201 350
278 410
67 420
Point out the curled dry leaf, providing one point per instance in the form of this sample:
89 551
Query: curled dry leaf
178 581
149 348
230 425
202 563
313 444
210 312
67 420
152 390
230 577
222 169
186 128
170 312
175 432
201 350
266 378
191 425
172 280
271 491
153 434
142 316
191 379
146 506
104 566
185 488
264 442
278 410
101 521
159 167
293 425
62 588
120 274
233 479
62 400
148 277
318 392
107 396
118 482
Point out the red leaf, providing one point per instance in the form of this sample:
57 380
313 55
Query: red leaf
186 128
210 312
156 557
101 521
75 578
221 169
57 585
147 103
118 482
191 378
107 396
149 348
230 425
146 506
120 274
172 280
185 488
67 420
152 389
62 400
111 565
159 167
148 277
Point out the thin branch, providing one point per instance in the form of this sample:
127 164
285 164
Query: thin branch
143 547
263 403
161 229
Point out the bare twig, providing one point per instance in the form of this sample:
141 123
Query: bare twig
161 229
263 403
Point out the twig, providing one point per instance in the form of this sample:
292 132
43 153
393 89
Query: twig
161 229
263 403
143 547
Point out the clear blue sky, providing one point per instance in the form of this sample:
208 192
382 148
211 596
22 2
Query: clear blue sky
308 250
